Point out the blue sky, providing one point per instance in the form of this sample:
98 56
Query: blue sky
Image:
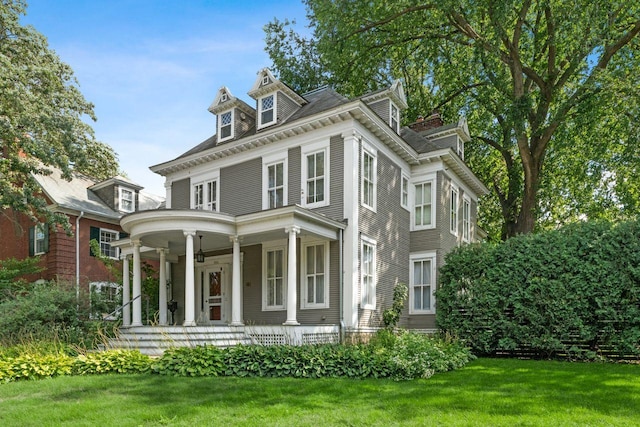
153 67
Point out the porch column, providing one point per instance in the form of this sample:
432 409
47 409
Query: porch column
291 276
236 284
126 292
137 285
189 282
162 287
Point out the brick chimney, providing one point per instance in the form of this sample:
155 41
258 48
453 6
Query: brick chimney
431 122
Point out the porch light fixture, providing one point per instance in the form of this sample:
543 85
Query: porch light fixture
200 254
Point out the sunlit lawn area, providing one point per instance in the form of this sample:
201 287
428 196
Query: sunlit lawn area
486 392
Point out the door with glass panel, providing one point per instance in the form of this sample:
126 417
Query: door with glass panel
214 294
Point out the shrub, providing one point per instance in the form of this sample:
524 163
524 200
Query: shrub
112 361
391 316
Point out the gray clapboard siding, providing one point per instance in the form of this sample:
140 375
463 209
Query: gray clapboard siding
241 188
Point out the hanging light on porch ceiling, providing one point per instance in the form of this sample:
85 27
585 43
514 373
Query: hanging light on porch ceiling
200 254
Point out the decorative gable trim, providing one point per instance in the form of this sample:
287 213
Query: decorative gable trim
266 83
395 93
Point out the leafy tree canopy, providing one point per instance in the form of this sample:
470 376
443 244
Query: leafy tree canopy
550 89
41 118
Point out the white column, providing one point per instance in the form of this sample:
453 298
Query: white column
236 284
189 282
162 287
291 277
167 190
137 285
126 292
351 233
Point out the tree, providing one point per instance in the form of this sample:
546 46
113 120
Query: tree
41 118
543 83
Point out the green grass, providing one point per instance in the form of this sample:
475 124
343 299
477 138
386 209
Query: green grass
486 392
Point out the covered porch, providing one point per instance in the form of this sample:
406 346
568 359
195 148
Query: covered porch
207 253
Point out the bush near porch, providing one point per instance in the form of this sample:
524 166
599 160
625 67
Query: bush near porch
572 292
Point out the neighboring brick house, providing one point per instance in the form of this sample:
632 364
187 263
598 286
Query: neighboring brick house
306 211
93 209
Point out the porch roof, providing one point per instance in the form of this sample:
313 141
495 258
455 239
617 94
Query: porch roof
165 228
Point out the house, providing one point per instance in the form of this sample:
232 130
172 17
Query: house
297 218
94 210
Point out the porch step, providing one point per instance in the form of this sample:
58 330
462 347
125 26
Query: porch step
154 340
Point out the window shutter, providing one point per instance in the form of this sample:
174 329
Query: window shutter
32 241
94 234
46 238
123 235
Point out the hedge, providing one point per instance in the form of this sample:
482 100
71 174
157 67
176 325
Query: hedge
572 292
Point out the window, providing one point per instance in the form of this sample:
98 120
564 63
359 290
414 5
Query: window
460 149
369 175
453 211
223 97
105 298
225 126
421 297
316 183
423 212
315 264
267 107
466 219
38 239
126 200
368 273
275 185
274 279
205 196
395 118
265 80
104 237
404 192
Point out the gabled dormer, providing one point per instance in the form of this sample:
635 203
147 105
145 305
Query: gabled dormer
118 193
388 104
234 116
275 101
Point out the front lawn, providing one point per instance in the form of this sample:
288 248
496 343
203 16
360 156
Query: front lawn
485 392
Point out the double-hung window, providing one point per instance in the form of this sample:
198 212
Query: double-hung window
368 273
421 297
315 262
106 238
267 106
404 191
466 219
38 239
316 182
395 118
274 278
126 200
368 176
225 126
205 196
453 211
423 212
275 185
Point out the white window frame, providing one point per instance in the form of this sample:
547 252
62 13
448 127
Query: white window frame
412 188
268 162
371 181
454 209
422 257
305 275
232 124
314 149
39 239
207 203
466 219
394 120
266 248
274 109
368 303
404 191
460 148
116 236
121 199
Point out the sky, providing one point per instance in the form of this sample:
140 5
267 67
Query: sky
153 67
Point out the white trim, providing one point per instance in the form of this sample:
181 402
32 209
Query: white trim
304 304
269 247
268 161
368 150
429 179
371 304
274 109
454 211
308 150
120 199
117 234
206 201
404 178
466 223
395 128
351 237
423 256
219 125
39 226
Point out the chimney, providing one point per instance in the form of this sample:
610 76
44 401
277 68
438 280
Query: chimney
425 124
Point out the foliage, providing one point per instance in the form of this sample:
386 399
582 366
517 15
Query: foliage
42 116
574 292
112 361
549 89
391 316
29 367
11 270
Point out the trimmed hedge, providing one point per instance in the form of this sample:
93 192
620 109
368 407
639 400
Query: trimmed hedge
572 292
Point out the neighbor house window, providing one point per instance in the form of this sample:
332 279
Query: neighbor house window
274 285
267 110
421 297
423 212
225 126
395 118
316 183
38 239
127 203
466 219
368 174
404 192
205 196
368 273
453 211
315 264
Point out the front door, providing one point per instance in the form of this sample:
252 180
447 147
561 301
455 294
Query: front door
214 294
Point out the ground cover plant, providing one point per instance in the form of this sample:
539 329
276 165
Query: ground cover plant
496 392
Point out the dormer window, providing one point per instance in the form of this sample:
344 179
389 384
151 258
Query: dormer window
126 200
223 97
266 110
394 121
225 126
265 80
